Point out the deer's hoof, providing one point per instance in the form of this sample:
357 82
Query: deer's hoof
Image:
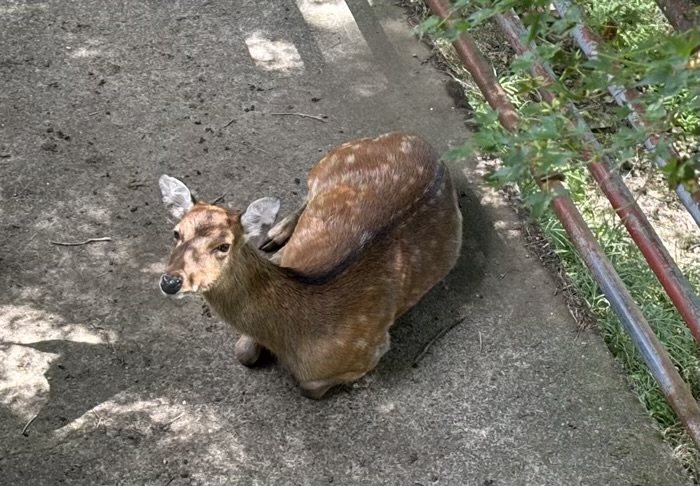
247 351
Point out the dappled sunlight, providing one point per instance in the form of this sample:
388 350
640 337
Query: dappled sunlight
24 324
183 422
159 412
23 386
14 7
508 229
329 15
82 52
342 44
386 407
279 56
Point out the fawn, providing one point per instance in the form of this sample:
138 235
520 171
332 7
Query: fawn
380 227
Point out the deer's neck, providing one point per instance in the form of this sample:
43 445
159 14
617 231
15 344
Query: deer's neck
260 299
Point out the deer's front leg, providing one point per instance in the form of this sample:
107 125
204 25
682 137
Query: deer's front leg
247 351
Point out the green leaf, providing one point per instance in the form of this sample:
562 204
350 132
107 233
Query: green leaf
534 29
522 62
658 73
429 25
538 202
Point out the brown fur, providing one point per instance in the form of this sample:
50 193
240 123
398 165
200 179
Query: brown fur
380 227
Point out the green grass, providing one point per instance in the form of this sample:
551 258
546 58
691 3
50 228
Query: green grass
649 295
643 15
640 23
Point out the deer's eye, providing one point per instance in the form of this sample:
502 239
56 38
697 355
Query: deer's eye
223 248
176 236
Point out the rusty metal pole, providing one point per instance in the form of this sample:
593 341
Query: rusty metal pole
653 353
680 14
588 42
642 232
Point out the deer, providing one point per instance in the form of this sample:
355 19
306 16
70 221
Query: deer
380 227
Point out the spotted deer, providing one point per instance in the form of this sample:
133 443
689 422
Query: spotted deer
379 228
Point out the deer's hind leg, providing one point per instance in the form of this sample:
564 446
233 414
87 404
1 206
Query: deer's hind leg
317 388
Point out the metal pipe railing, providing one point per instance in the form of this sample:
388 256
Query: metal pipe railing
588 43
680 14
653 353
678 288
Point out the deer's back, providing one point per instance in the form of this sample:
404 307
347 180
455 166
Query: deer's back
362 191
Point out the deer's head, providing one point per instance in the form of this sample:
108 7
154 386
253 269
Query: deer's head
206 236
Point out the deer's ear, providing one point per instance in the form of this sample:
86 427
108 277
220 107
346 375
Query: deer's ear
176 196
260 216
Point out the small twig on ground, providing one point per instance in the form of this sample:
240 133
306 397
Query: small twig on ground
303 115
31 420
170 480
168 424
220 198
258 149
441 333
247 144
229 123
99 419
80 243
135 184
97 328
481 343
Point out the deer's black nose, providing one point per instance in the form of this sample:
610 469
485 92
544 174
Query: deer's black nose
170 285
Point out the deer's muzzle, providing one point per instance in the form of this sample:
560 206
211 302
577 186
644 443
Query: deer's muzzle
170 284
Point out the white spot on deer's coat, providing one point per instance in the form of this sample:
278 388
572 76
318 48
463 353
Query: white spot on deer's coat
405 146
361 343
350 159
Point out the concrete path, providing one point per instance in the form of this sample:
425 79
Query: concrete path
124 387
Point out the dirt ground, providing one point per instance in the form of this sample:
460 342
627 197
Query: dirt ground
103 381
